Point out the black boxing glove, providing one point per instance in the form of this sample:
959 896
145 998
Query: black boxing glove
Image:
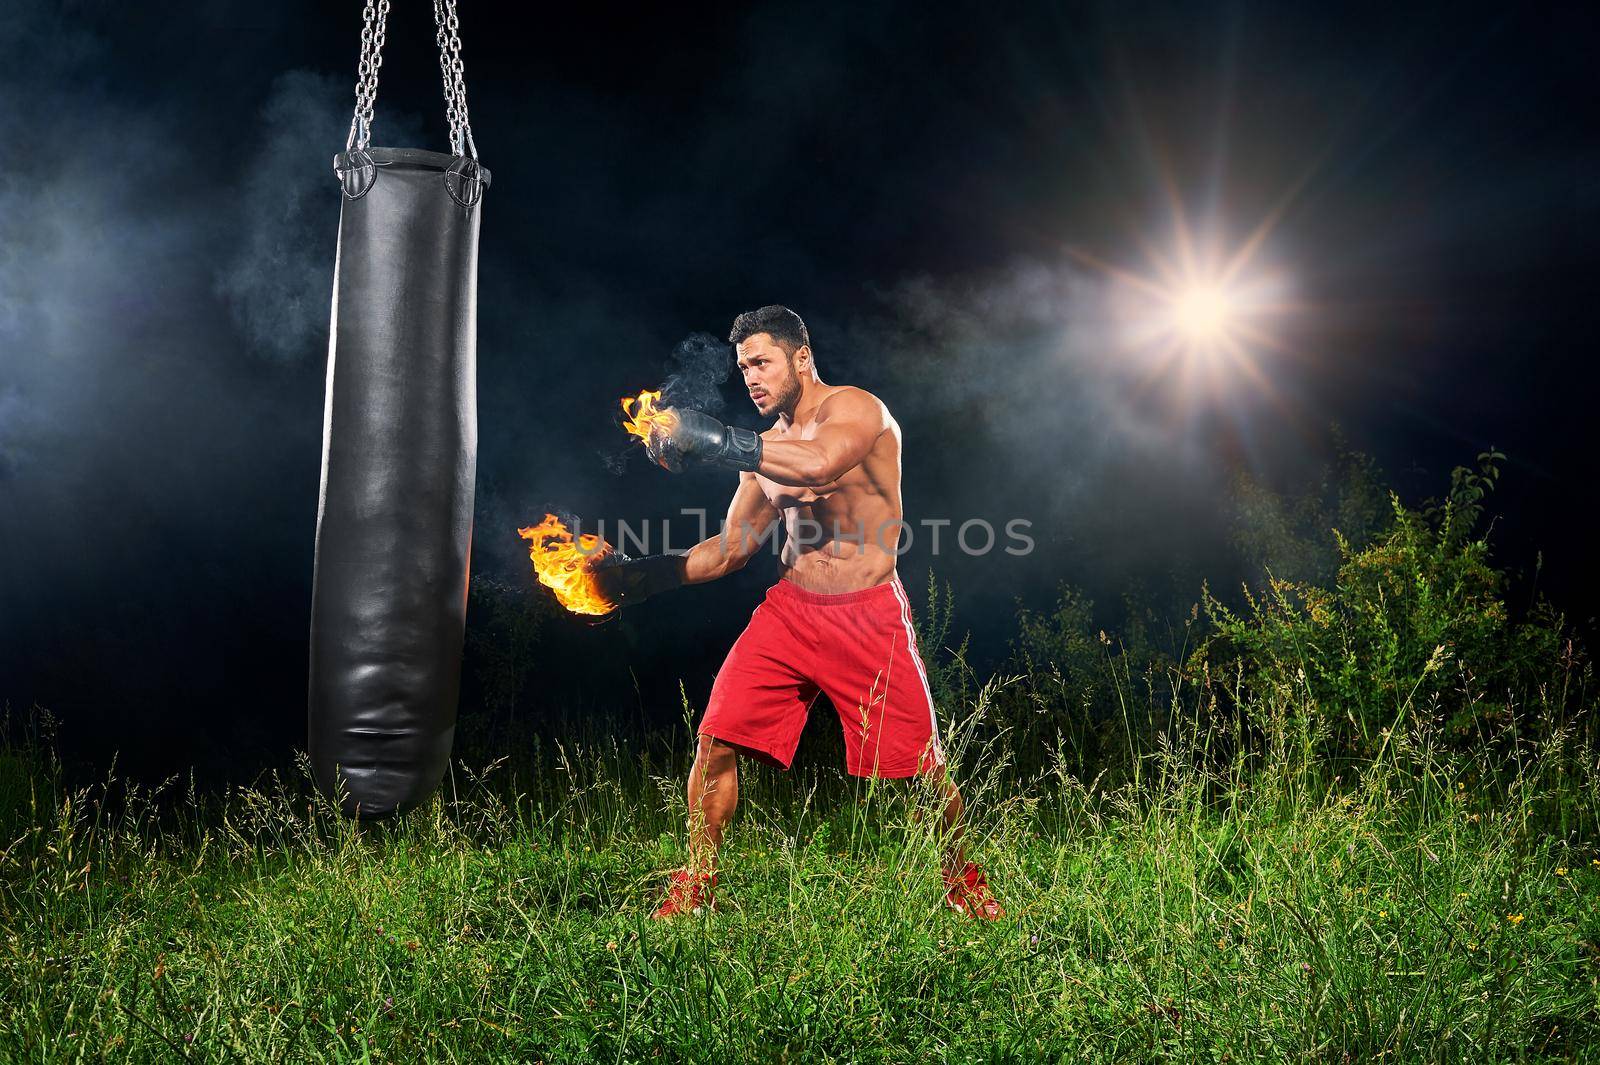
624 581
696 438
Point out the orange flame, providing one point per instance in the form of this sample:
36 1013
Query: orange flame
643 418
562 564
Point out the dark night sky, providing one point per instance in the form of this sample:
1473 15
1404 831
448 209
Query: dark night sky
914 181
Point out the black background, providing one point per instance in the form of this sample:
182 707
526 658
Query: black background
912 179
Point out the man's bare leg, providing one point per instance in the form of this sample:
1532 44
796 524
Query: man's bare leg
969 888
954 824
713 795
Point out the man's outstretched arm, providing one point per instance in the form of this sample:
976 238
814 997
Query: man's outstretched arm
625 581
848 423
749 521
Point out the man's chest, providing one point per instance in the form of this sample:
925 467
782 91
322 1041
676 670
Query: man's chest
788 497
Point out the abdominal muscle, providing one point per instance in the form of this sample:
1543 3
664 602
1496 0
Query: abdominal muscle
841 538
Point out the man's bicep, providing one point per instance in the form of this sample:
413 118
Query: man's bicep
848 430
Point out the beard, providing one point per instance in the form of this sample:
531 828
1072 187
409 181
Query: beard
787 397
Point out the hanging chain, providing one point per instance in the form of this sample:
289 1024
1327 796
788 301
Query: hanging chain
455 86
374 23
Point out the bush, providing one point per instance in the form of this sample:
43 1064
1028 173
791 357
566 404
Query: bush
1415 626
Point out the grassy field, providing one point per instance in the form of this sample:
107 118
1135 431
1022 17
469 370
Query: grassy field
1197 915
1354 817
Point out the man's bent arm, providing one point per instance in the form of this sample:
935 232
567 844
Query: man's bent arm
848 424
749 520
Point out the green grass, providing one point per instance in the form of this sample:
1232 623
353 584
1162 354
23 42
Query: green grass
1355 817
1418 910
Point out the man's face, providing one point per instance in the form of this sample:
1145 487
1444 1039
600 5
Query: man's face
769 375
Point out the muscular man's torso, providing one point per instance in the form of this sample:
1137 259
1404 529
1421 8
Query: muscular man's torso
841 536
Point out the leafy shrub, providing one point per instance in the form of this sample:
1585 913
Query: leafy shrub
1415 625
1287 533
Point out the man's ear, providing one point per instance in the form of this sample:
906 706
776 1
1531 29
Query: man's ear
802 356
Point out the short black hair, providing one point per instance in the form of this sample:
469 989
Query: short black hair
782 324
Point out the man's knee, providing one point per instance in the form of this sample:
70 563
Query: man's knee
713 757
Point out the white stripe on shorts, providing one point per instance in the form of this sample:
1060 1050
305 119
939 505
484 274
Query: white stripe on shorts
911 644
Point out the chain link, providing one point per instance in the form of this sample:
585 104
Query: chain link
374 25
453 72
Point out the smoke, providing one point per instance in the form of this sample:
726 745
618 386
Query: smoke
95 249
163 295
694 375
1020 396
696 371
122 268
278 280
1031 362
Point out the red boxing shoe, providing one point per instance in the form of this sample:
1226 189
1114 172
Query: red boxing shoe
969 894
688 892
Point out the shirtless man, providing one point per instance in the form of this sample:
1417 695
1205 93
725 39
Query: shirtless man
837 622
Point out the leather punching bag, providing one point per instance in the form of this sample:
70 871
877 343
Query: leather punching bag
399 456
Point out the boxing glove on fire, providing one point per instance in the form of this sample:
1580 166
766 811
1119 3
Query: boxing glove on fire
696 438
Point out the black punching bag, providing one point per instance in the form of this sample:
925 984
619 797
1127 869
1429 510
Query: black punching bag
399 455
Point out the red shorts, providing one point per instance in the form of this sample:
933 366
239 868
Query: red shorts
858 649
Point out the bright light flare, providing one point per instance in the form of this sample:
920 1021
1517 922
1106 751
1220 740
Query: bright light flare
1202 313
1202 317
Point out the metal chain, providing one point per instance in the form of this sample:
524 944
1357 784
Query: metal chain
453 71
374 24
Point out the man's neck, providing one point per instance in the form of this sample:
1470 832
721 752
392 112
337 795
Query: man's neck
812 393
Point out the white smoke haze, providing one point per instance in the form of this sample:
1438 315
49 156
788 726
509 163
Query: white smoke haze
13 412
696 371
1035 358
278 279
100 245
163 314
1020 396
693 378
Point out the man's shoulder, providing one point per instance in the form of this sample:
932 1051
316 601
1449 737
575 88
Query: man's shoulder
851 400
841 402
